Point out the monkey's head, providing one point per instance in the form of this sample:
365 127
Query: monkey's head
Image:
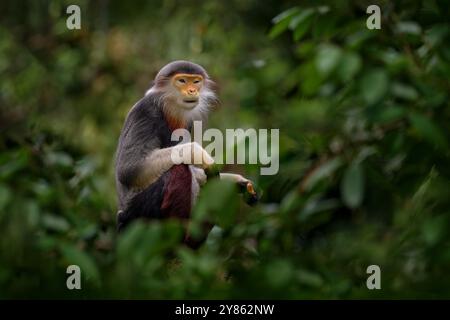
187 90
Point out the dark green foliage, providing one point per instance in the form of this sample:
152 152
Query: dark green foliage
364 123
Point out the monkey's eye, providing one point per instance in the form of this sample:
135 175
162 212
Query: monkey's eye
197 81
182 80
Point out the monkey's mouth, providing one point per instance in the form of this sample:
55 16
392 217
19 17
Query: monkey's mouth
190 100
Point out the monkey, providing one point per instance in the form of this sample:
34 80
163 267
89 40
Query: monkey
149 183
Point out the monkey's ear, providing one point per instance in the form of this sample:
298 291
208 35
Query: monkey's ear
152 84
212 85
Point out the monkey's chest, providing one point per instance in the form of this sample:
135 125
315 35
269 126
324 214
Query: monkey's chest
177 197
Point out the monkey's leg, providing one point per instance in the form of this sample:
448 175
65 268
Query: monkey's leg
145 204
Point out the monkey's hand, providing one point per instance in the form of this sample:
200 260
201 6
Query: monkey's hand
199 175
246 187
192 153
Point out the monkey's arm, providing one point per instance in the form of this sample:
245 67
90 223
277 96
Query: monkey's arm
154 165
138 140
158 161
244 184
233 177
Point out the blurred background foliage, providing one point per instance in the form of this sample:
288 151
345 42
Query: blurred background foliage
364 152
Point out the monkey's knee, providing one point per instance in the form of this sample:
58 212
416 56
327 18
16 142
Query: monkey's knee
124 218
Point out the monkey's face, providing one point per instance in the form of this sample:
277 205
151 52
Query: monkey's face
187 89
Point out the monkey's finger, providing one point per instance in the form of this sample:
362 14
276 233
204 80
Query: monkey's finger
207 160
250 188
199 175
237 178
251 197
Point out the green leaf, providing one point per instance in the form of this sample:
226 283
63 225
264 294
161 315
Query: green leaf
55 223
404 91
301 29
436 34
425 188
409 27
374 86
434 229
5 196
285 15
389 114
349 65
142 241
290 201
281 22
11 163
316 205
352 185
77 257
59 159
299 18
309 278
324 171
221 209
309 71
130 239
300 23
279 272
428 130
328 58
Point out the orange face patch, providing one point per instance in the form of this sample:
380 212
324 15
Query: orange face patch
188 84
